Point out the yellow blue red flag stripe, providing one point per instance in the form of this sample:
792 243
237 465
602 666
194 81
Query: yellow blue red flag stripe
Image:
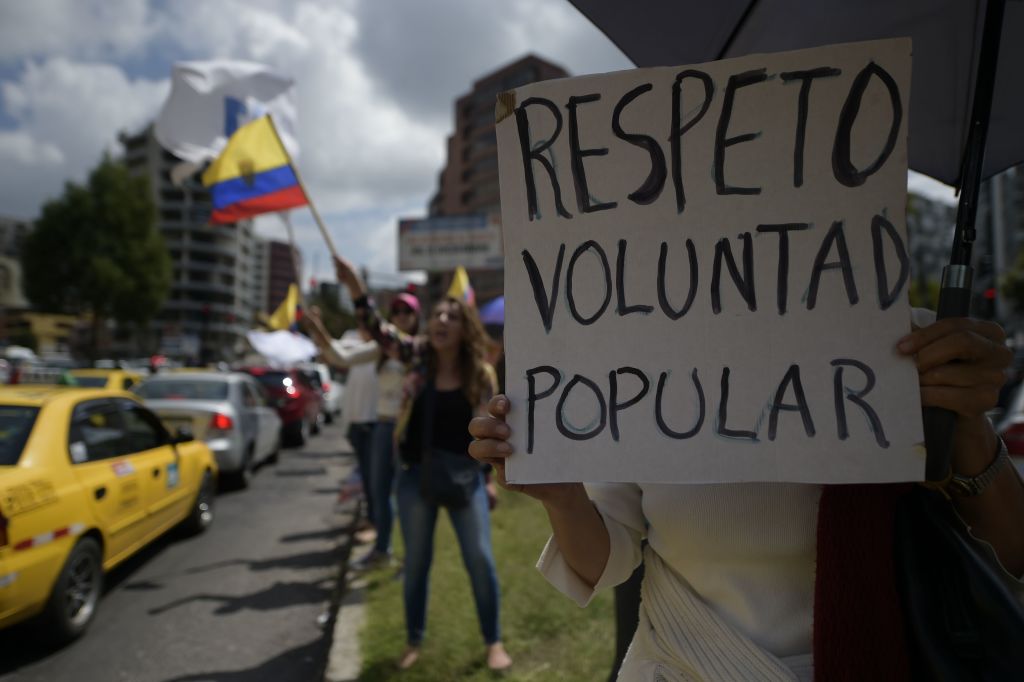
253 175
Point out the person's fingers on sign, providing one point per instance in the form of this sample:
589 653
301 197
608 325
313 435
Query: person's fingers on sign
491 445
962 363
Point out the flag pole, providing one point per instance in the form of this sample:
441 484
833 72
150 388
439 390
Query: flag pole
305 193
287 220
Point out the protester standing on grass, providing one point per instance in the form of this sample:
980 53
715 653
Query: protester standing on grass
731 589
356 352
450 381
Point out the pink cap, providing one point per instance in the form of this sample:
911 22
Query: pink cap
407 299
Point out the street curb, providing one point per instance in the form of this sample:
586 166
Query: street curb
344 662
347 608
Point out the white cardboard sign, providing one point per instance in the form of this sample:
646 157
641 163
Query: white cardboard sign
706 271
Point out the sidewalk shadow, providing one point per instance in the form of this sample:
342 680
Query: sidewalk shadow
278 596
300 664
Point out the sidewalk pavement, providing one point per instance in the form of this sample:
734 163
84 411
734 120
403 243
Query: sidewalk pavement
348 612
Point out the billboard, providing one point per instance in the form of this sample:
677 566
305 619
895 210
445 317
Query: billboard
442 243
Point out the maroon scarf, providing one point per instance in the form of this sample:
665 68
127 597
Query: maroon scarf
859 632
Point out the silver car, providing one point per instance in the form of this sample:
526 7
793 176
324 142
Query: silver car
228 410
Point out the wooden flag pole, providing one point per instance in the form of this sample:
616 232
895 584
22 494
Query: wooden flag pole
305 193
287 220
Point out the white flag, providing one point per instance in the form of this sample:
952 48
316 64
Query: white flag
282 348
209 100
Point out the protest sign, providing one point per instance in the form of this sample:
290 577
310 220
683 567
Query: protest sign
706 272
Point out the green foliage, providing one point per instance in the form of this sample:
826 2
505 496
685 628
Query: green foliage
1012 284
924 294
547 635
96 249
337 320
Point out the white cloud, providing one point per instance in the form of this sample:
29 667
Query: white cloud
67 114
375 86
83 28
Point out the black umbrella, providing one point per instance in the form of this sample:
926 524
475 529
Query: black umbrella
956 95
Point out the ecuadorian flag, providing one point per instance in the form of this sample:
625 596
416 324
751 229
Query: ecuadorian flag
461 288
252 175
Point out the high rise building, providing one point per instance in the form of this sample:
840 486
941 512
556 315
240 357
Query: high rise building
1000 238
468 184
210 305
281 272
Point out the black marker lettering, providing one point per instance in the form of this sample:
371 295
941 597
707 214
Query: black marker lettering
613 396
560 417
531 154
782 286
740 80
666 307
533 397
744 284
835 235
545 304
723 403
887 296
659 417
655 182
792 377
620 285
857 398
583 248
576 154
842 163
805 78
678 129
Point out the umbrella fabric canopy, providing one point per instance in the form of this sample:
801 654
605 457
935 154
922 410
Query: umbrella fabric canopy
946 36
494 312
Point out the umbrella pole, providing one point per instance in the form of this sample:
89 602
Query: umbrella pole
955 292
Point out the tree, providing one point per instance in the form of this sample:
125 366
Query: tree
335 319
1013 283
96 249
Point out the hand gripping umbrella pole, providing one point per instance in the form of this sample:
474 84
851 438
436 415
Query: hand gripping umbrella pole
955 292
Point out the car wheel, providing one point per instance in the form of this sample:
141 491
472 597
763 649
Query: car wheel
295 433
275 454
76 593
202 509
243 476
328 417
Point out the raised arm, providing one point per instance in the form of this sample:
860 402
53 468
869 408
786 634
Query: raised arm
576 524
407 349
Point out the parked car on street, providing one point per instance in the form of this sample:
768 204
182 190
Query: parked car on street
87 478
298 403
332 389
115 379
227 410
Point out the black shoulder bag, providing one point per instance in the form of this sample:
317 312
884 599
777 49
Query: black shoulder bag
964 623
448 479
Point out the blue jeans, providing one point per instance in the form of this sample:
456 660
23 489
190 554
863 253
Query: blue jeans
360 436
472 526
382 483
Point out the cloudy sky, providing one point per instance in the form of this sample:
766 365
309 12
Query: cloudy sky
376 80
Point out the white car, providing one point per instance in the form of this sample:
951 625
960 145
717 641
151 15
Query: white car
331 387
228 410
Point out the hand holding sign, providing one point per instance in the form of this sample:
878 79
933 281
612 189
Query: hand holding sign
491 446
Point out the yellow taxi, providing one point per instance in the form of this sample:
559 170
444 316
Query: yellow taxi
115 379
87 478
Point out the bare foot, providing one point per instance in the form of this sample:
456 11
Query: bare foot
497 658
409 658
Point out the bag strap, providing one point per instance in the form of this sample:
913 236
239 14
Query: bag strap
427 433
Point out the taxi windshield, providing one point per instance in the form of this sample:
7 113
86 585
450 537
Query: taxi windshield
15 426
